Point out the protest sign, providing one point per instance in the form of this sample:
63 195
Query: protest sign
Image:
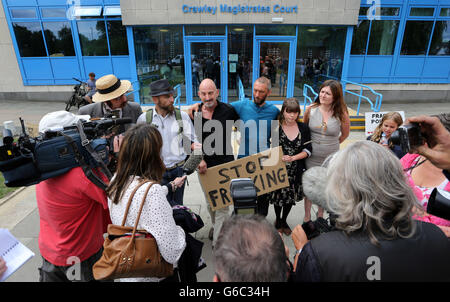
266 169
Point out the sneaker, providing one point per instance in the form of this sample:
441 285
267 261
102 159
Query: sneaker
211 234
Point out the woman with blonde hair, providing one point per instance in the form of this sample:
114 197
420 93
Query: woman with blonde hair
376 237
382 133
329 123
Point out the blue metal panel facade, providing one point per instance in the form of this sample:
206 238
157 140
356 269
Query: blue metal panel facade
400 67
59 70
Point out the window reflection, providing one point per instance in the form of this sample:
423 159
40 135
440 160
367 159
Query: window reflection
58 36
23 13
360 34
117 38
53 12
320 54
159 54
93 38
440 44
382 37
416 37
240 57
29 39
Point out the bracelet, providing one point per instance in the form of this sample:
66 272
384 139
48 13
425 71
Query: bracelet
174 187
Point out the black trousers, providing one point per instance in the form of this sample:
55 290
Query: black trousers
49 272
262 205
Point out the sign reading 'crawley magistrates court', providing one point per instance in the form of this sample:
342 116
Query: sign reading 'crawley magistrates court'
266 169
235 9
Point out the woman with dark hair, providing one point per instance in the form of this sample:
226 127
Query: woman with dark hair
295 140
139 161
329 123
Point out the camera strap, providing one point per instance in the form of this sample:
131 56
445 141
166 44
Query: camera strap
86 168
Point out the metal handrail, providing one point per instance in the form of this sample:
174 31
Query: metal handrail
378 100
177 101
241 89
307 88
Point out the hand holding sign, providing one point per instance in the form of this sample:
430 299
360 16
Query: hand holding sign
266 169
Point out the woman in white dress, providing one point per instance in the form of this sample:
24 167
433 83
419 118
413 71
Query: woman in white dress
140 159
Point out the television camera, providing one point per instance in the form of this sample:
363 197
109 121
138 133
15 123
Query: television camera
31 160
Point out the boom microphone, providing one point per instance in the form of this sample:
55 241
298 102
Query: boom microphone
314 182
192 163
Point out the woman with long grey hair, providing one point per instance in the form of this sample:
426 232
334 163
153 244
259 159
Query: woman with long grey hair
376 236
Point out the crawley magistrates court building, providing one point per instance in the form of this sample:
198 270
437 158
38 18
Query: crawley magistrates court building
400 48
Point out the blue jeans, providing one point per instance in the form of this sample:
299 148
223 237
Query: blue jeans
174 198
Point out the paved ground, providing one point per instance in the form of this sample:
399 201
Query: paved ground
19 214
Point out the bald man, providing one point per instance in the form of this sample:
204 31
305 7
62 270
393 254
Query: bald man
215 152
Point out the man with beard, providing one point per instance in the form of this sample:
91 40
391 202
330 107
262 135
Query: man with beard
176 128
263 114
110 99
215 114
256 116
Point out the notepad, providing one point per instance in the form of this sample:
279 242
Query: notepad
13 252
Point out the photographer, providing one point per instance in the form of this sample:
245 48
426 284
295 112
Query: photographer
376 237
110 100
73 217
437 149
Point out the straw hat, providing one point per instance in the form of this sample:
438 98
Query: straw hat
109 87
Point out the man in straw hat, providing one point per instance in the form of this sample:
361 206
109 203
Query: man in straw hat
176 130
110 100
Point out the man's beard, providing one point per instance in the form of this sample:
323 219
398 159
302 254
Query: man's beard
209 103
169 108
261 100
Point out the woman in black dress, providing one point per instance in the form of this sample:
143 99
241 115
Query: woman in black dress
295 140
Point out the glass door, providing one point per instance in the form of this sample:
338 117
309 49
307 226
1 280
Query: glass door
274 58
207 60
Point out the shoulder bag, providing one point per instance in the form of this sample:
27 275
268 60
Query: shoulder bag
131 253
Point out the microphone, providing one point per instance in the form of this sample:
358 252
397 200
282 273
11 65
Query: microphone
192 163
314 181
106 123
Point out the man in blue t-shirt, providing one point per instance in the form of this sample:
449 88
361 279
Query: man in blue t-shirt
257 116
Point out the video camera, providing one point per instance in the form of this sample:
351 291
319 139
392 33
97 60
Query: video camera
439 204
32 160
243 193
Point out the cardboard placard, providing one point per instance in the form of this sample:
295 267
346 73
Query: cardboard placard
266 169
